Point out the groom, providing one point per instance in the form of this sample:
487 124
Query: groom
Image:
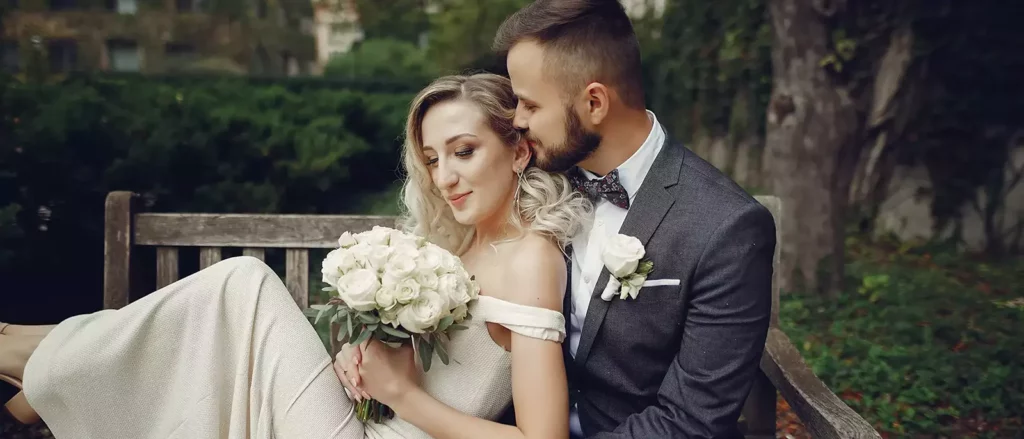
679 359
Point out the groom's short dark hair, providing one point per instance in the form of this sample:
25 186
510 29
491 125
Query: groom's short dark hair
586 40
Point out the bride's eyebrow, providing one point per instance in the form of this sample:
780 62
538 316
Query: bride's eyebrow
451 139
457 137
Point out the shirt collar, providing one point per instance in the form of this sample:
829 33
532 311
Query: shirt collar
634 169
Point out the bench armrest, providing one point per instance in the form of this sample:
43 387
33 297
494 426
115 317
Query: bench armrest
824 415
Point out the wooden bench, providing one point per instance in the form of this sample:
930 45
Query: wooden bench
127 230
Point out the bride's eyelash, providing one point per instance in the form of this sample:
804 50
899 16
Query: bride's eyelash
463 152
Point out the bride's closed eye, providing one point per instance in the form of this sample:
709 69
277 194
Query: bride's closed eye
464 152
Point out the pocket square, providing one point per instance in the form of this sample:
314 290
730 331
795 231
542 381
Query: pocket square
661 282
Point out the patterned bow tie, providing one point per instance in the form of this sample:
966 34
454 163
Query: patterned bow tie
608 187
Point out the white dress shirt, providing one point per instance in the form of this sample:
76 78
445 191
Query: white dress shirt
586 245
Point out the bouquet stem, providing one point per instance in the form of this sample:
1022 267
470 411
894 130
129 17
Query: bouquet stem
373 410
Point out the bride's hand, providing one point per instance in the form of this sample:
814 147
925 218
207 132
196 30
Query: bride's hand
346 367
387 373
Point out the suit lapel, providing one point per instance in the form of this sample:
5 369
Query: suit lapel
648 209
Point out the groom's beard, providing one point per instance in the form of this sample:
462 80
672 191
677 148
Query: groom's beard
579 144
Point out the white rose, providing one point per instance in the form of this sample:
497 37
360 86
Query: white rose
378 257
390 316
430 258
460 312
398 238
422 314
329 267
376 236
462 292
622 254
426 279
398 269
386 299
447 283
450 263
407 290
358 289
346 240
361 253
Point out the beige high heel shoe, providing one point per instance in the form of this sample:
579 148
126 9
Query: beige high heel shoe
17 407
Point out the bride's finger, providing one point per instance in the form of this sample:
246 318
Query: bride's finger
352 390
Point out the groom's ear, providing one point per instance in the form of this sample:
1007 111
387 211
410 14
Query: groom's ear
598 99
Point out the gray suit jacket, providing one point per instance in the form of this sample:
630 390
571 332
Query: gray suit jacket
679 361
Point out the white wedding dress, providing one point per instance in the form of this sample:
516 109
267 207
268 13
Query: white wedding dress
226 353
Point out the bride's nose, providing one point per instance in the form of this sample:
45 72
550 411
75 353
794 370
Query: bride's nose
445 176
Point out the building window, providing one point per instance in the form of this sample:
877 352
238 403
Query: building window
9 56
63 55
124 56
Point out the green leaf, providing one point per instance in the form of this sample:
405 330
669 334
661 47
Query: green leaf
445 323
329 289
426 352
457 328
348 320
442 353
357 334
366 317
645 267
363 336
342 332
395 332
320 314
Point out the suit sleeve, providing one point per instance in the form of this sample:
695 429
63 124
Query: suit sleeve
726 324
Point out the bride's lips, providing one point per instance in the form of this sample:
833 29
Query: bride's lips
457 200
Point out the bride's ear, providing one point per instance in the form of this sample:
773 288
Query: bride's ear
522 156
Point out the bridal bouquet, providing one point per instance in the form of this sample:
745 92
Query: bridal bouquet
397 288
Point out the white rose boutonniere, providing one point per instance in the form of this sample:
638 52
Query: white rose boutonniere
623 255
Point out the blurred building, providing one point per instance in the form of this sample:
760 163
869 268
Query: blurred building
158 36
336 28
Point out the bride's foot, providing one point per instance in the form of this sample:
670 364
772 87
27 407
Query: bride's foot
9 329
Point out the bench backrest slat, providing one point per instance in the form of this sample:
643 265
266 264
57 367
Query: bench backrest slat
249 230
297 275
208 256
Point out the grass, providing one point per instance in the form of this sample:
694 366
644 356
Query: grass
923 343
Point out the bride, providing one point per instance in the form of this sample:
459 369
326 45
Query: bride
225 353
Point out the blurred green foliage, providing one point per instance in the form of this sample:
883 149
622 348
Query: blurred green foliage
922 343
198 145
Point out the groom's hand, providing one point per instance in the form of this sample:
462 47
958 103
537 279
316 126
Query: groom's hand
346 367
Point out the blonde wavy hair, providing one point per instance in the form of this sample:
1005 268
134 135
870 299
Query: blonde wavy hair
547 203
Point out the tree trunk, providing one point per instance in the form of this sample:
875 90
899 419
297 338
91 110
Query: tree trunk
812 145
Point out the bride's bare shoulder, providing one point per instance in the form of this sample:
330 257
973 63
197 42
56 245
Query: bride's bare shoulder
534 273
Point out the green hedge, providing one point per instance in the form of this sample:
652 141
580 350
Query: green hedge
922 344
185 143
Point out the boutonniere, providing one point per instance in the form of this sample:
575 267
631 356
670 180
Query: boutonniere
623 255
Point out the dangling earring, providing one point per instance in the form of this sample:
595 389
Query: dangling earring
519 186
